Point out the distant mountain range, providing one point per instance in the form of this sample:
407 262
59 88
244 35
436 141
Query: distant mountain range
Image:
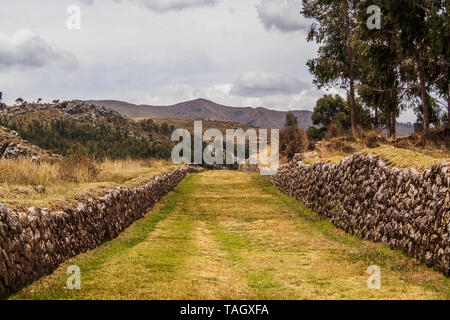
208 110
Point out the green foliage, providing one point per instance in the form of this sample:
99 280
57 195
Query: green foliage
337 61
433 110
328 109
150 126
164 128
379 85
422 32
315 134
408 58
67 137
291 120
335 111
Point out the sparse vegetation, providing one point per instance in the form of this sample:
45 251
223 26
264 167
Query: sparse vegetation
72 127
402 158
72 177
335 150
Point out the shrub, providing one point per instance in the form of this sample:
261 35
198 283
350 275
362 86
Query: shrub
78 168
316 134
293 140
332 132
373 138
342 146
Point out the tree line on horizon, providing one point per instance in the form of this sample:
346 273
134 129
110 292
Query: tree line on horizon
403 64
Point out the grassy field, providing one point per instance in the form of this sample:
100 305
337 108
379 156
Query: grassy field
231 235
65 180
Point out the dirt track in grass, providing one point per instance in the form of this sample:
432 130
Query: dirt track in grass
231 235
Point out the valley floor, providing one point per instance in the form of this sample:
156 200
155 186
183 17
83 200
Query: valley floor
231 235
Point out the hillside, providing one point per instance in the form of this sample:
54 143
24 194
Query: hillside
205 109
188 124
73 126
12 146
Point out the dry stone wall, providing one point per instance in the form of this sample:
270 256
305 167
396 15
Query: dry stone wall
34 243
363 196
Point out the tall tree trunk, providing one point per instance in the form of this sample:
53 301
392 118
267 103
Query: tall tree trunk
424 94
375 121
388 124
448 111
393 124
351 70
352 101
395 108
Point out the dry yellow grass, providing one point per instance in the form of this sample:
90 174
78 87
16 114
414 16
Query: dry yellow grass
394 157
24 172
19 179
403 158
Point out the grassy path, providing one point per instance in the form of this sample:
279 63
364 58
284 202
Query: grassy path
231 235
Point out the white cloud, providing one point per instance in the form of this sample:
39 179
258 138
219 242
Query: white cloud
165 5
262 84
282 15
129 53
27 50
169 5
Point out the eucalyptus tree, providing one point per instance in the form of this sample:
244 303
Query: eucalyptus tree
333 30
440 39
379 86
423 36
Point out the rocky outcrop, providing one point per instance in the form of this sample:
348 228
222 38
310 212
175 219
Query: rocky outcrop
402 208
88 111
85 114
76 108
12 146
34 243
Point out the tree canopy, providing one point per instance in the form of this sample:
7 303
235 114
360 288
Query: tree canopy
404 60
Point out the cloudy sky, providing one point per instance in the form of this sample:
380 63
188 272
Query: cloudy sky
234 52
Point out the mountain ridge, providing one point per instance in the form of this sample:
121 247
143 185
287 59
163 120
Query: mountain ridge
208 110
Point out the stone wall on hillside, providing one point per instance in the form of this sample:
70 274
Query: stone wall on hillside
402 208
34 243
